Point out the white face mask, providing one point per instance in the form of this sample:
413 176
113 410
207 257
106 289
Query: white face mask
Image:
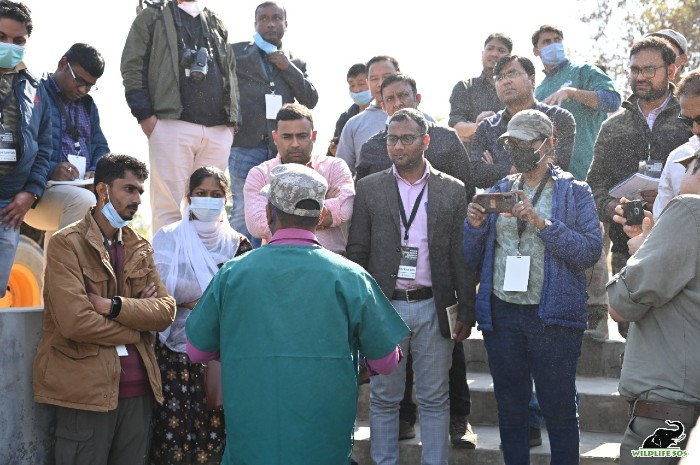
192 8
207 209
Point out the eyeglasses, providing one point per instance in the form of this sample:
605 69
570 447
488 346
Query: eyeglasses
509 75
510 145
80 82
647 72
406 139
688 120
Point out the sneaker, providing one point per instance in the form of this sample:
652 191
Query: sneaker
535 437
461 434
406 430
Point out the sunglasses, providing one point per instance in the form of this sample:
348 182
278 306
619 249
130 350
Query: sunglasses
689 121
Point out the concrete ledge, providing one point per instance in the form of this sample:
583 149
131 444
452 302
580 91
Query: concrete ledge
601 409
597 358
596 448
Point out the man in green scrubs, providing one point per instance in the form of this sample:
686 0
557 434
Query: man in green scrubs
288 320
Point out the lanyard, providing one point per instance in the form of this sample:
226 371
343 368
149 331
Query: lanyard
71 125
522 224
407 224
5 100
264 65
183 28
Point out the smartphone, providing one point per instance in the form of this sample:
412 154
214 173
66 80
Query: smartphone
500 202
634 212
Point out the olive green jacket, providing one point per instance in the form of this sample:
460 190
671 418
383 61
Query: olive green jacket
150 64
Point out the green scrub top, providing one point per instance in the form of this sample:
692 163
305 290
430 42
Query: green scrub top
289 321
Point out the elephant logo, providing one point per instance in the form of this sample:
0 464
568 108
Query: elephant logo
665 438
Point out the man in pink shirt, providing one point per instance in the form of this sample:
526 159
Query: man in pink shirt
407 233
295 137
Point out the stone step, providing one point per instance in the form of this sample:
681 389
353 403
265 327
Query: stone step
601 408
597 358
596 448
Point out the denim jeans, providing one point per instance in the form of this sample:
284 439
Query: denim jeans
431 363
520 348
8 246
240 161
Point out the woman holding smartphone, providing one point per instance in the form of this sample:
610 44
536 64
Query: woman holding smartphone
531 304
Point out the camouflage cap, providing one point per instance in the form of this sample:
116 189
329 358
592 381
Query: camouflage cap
290 184
675 37
528 125
685 161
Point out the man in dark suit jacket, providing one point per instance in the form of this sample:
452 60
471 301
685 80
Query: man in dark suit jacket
268 77
446 153
406 231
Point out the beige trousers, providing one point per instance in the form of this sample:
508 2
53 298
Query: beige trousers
176 150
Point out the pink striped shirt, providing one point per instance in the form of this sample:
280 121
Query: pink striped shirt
339 199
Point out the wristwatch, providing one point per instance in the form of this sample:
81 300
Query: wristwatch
116 308
547 223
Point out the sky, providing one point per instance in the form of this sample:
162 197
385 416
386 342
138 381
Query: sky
438 43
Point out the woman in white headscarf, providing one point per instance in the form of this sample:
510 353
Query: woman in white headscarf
188 254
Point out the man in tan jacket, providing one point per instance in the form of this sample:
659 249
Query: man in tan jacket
103 298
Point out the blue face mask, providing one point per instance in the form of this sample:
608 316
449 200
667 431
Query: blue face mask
207 209
10 55
361 98
112 216
264 45
553 54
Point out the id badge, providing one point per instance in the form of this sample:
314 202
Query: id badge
408 263
273 103
651 168
121 351
517 273
8 151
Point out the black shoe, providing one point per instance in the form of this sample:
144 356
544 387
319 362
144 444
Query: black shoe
461 434
406 430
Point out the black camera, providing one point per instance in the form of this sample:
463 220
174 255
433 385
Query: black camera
196 63
634 212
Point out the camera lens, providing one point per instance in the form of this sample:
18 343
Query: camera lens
200 65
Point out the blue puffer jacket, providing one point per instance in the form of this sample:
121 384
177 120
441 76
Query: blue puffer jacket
97 143
572 243
34 140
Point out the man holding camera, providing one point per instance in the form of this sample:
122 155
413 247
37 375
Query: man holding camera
658 291
180 80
